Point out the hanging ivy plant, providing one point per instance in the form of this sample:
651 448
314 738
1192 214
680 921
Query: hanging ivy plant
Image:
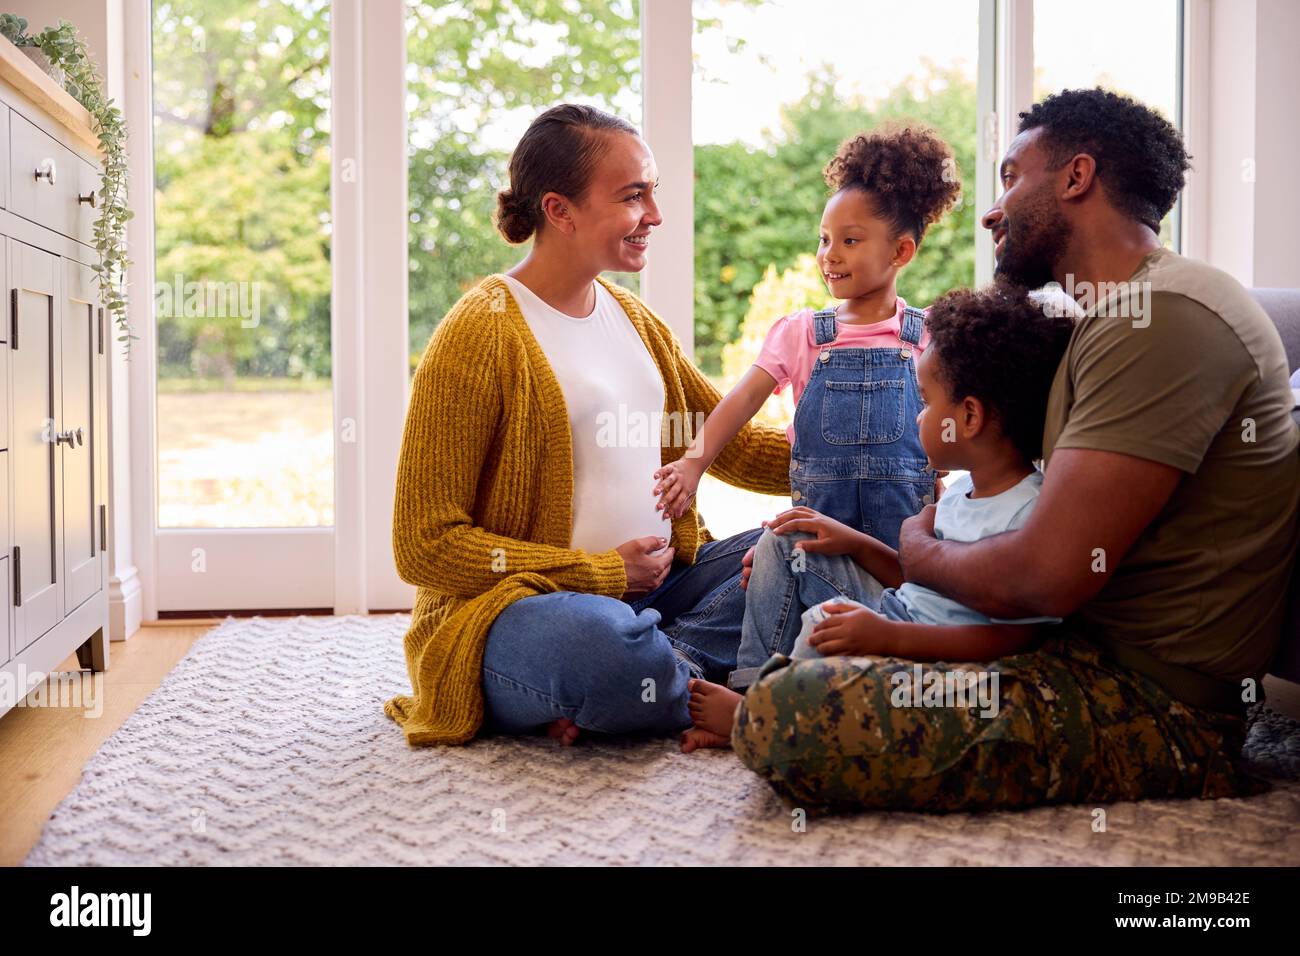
66 51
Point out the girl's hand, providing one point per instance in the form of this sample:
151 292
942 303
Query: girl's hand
832 538
746 568
856 631
677 483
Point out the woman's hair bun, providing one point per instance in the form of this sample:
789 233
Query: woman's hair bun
514 218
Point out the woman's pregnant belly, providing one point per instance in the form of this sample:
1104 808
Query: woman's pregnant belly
614 492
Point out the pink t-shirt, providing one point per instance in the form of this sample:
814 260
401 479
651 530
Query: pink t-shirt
791 348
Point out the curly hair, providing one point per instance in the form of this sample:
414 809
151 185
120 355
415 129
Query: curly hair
557 153
1139 154
907 169
996 344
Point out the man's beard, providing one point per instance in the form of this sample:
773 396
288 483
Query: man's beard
1036 241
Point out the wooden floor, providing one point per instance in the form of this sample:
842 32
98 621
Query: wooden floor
43 749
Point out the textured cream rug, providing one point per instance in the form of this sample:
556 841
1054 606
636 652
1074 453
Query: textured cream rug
268 745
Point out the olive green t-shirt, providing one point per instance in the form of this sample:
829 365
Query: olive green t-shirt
1182 366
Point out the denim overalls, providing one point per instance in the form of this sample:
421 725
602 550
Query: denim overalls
857 455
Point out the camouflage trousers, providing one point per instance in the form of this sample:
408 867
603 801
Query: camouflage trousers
1067 725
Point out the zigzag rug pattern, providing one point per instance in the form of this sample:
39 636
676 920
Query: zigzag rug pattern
268 744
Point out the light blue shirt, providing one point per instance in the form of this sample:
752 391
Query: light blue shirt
958 517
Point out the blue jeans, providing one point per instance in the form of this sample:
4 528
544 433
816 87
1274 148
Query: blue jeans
614 666
783 585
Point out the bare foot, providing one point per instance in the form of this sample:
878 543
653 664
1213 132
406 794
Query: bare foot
698 737
564 730
713 709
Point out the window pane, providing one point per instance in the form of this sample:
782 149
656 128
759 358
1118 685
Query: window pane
777 87
477 75
1139 60
242 211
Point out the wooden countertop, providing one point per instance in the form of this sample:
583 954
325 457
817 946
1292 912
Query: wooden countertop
33 82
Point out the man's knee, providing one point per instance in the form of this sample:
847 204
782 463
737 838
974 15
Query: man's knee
805 726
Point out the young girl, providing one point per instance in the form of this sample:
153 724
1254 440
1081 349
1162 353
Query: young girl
856 456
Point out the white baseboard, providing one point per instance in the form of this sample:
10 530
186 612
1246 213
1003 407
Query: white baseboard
125 604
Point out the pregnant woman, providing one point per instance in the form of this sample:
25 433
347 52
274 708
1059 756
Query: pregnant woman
551 594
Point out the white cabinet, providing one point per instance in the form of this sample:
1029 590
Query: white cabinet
34 456
53 394
82 369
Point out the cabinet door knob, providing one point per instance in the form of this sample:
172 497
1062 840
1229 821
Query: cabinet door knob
87 199
46 170
80 440
62 437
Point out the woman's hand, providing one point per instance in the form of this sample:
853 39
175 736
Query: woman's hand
645 564
678 482
833 537
852 630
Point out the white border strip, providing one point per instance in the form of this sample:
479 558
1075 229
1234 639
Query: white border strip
668 282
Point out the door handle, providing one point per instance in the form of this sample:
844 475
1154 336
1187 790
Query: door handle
80 439
46 171
62 437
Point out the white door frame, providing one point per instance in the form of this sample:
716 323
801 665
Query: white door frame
369 302
668 280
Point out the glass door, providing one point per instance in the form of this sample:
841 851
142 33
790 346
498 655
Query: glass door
245 436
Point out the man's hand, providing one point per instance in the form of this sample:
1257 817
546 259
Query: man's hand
1050 565
856 631
746 568
832 537
915 533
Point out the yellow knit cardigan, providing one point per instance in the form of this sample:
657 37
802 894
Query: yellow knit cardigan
483 508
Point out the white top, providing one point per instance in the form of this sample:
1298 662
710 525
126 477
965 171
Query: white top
614 395
959 517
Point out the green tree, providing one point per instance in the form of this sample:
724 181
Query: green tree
213 228
798 287
241 90
756 208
